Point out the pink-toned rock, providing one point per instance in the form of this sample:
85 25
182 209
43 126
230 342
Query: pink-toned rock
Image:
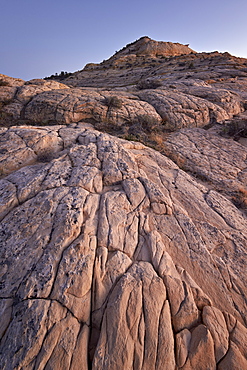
234 360
11 81
8 198
183 339
36 86
230 321
201 351
200 298
215 322
113 255
136 322
184 311
126 255
239 336
7 93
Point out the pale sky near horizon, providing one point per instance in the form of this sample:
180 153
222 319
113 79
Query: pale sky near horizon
40 38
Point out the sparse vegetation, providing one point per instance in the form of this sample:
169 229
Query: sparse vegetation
145 129
5 102
240 199
5 117
59 77
148 123
113 102
236 128
3 82
148 84
45 156
129 137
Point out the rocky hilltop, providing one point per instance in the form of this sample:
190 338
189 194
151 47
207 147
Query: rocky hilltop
114 254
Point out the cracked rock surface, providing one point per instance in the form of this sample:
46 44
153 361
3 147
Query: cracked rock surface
113 257
168 83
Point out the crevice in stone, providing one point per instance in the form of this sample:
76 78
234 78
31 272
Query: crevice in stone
145 334
242 314
158 336
46 335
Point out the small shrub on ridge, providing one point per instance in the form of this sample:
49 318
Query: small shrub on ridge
113 102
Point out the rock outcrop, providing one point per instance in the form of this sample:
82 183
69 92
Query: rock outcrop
211 158
186 90
148 47
115 255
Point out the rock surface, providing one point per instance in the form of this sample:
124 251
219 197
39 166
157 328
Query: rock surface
114 255
217 162
167 82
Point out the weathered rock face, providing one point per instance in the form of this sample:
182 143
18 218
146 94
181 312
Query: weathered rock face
112 257
166 82
219 162
53 102
147 46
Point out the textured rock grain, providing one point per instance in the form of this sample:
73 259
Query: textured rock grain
114 257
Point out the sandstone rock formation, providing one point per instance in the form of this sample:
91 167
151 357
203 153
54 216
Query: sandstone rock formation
111 255
186 90
211 158
114 255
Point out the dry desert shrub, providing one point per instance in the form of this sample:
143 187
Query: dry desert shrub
240 198
113 102
3 82
157 138
45 156
148 84
148 123
236 128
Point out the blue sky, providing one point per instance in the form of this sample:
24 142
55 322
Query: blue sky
39 38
